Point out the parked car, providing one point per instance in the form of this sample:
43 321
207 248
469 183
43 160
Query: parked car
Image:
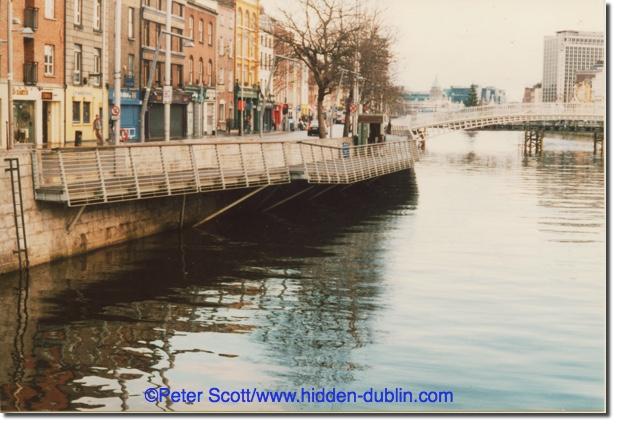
313 128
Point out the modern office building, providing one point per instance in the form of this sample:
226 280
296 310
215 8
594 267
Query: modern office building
565 54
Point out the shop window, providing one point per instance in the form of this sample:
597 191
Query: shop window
23 113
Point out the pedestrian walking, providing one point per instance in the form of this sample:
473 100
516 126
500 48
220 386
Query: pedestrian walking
98 127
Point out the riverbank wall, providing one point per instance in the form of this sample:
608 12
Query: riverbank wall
47 225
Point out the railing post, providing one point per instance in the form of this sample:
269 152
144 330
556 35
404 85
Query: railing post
344 165
220 166
192 156
335 162
136 180
101 176
245 171
286 161
316 165
329 177
262 152
63 176
165 169
36 177
374 159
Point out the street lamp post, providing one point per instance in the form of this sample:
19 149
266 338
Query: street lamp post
241 84
168 71
117 71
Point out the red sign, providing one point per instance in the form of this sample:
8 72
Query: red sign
240 105
115 111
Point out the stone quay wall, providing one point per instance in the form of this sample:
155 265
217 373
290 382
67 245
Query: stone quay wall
99 225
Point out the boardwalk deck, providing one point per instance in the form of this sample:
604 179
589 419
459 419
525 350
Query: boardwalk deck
101 175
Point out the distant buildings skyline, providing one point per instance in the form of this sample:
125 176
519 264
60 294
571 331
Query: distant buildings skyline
565 54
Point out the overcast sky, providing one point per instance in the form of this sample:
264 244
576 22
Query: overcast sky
488 42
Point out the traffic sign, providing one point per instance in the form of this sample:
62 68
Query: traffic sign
116 111
167 95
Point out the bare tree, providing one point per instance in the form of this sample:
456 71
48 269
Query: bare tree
378 91
322 34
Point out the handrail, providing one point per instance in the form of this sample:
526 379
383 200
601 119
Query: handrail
108 174
563 110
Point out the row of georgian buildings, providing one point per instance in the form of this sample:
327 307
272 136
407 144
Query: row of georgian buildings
63 70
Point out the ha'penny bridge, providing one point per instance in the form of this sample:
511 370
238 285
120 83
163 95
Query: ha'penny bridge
532 118
79 177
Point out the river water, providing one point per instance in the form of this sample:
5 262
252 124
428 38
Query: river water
482 273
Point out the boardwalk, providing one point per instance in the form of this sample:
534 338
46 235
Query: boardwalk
98 175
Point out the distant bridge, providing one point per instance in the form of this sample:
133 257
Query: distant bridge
587 115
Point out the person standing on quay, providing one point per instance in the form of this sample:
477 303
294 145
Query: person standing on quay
97 126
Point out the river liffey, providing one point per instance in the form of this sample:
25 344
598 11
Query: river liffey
481 274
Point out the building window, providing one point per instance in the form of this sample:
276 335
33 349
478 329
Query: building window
220 76
76 112
97 15
48 60
97 66
180 75
130 64
210 73
130 23
201 30
147 34
191 70
77 12
49 9
210 34
158 73
220 45
77 64
200 71
190 27
86 112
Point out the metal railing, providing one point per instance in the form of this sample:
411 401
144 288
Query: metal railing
350 164
82 176
31 17
521 111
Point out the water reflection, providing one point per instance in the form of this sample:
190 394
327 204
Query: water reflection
490 282
95 331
